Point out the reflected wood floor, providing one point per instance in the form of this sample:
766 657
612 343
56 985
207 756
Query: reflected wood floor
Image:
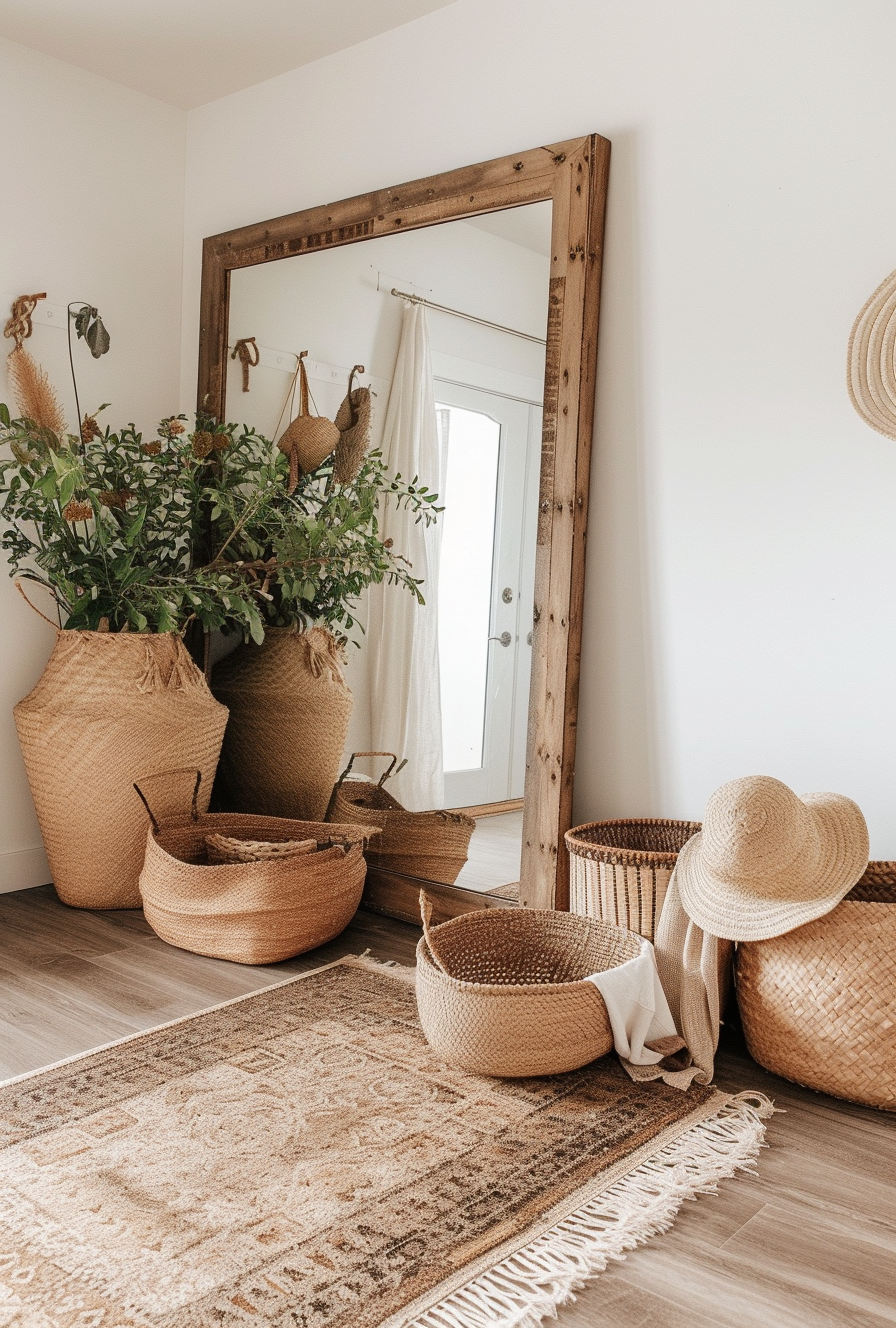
495 852
810 1242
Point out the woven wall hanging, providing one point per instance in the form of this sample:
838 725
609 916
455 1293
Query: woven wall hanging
871 360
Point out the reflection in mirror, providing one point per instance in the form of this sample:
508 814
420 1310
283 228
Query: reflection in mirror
480 291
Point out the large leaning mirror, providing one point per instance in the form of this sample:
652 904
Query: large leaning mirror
467 304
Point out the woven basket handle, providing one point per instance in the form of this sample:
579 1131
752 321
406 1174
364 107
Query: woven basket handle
173 795
426 915
386 773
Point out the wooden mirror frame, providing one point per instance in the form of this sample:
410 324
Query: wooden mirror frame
573 176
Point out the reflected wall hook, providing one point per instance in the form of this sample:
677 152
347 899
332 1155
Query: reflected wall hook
245 348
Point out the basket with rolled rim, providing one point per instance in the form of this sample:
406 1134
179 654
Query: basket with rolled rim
504 992
252 889
432 844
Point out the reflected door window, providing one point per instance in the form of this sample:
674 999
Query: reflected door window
470 447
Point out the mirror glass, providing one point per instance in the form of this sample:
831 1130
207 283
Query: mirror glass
345 306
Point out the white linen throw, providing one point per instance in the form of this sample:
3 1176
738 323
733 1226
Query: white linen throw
668 998
637 1006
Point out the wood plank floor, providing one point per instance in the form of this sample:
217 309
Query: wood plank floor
810 1242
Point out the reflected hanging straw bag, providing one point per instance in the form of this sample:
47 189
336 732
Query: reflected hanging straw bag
353 423
255 909
432 845
309 439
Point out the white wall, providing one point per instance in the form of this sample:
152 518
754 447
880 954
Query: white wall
742 567
92 183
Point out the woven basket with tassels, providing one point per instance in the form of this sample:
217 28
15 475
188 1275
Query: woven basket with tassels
109 707
818 1005
255 912
432 845
289 711
503 992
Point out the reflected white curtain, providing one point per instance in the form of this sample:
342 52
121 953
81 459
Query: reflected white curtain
406 711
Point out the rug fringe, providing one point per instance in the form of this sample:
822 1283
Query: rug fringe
530 1285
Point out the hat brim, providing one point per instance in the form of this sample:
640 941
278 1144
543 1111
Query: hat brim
732 912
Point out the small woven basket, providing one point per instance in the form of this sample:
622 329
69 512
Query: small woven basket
256 912
430 845
818 1005
502 992
620 870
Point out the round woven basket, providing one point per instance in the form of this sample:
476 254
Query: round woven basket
818 1005
514 1000
430 845
620 870
256 912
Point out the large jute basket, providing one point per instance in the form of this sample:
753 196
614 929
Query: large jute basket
620 870
502 992
818 1005
289 711
430 845
109 707
255 912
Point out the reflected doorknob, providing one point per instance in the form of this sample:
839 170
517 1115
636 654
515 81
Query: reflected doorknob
505 638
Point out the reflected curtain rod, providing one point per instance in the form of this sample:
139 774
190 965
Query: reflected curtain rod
471 318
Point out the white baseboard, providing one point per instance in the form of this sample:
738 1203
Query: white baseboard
23 869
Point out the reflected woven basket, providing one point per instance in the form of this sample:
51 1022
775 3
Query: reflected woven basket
620 870
502 992
255 912
430 845
818 1005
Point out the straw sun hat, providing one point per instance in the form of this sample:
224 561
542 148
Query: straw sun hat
767 861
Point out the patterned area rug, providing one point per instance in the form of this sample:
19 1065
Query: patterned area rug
299 1157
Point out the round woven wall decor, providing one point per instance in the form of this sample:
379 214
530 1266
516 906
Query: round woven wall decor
871 366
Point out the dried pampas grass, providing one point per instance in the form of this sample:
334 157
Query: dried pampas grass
33 392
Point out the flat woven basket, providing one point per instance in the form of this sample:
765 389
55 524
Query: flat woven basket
818 1005
430 845
620 870
250 912
501 992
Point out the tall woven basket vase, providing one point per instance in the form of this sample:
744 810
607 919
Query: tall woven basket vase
109 709
289 711
620 870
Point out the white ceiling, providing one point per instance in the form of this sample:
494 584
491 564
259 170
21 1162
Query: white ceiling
529 225
188 52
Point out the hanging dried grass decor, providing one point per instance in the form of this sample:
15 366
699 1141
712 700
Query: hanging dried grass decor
31 388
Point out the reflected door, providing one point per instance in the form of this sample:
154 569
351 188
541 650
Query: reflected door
490 448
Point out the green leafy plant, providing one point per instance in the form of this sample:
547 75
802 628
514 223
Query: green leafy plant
108 525
310 553
194 527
